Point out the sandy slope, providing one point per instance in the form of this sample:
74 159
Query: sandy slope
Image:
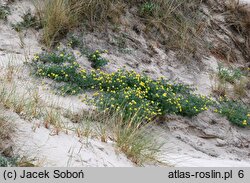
65 150
245 1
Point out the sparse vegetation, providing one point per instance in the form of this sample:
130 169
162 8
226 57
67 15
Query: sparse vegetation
28 21
237 16
236 112
229 75
132 138
4 12
97 60
23 104
57 18
6 134
178 19
6 131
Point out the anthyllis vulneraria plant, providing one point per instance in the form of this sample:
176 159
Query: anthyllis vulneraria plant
126 90
236 112
97 60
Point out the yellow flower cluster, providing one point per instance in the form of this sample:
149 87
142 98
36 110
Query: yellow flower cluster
124 90
140 94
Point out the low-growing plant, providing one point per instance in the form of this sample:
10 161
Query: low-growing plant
235 111
97 60
4 12
229 75
28 21
148 8
7 162
134 93
74 42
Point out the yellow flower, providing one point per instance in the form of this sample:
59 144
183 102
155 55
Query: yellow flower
95 94
248 115
142 84
244 122
36 57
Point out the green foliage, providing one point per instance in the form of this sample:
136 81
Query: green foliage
137 96
28 21
236 112
148 8
58 56
126 90
97 60
74 42
3 161
229 75
7 162
4 12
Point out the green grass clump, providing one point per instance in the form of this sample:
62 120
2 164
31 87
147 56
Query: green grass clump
148 8
236 112
4 12
127 90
